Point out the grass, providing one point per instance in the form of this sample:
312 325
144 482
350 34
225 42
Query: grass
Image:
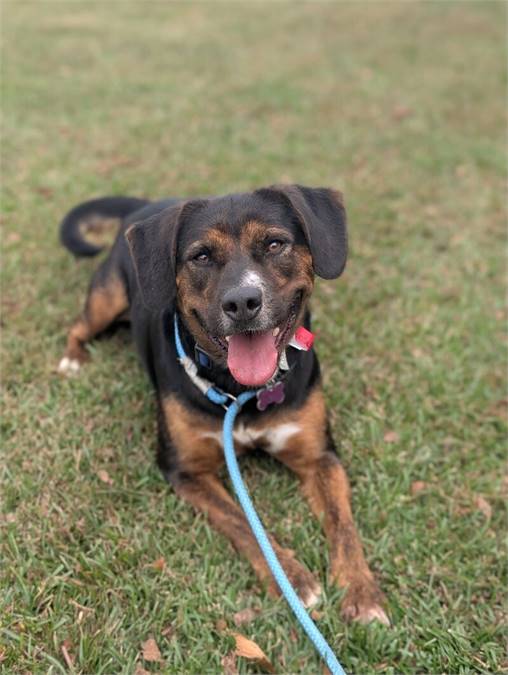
400 106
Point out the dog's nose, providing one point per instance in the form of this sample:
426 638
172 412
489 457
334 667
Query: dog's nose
243 303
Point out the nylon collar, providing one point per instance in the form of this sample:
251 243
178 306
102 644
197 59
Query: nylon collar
272 392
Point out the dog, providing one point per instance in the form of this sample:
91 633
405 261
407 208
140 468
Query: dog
238 271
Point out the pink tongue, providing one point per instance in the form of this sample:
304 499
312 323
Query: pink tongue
252 359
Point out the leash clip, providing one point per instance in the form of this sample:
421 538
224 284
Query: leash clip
233 399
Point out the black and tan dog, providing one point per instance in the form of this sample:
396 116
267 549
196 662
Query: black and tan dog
239 270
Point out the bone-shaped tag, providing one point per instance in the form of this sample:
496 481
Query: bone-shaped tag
270 395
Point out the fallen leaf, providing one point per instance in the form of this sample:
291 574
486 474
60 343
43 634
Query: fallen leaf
141 671
45 191
159 564
220 625
498 409
400 112
168 631
316 615
250 650
484 506
417 486
417 353
151 650
244 616
229 664
104 476
391 437
69 660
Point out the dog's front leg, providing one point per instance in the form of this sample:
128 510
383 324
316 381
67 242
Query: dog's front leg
310 453
207 494
326 487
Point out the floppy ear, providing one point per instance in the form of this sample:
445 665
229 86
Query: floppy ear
153 247
322 216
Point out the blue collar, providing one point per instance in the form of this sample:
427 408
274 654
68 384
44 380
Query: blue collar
270 393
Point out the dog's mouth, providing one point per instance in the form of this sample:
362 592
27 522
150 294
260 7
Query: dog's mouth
253 356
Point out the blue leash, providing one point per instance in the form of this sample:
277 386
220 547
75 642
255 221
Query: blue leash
220 398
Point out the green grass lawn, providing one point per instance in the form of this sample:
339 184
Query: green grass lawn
400 105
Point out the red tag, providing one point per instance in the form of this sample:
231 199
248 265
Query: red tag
304 338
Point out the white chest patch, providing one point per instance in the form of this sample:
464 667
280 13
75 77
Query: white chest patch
273 440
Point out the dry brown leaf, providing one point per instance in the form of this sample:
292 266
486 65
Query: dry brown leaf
391 437
244 616
45 191
168 631
69 660
151 650
229 664
498 409
316 615
483 505
104 476
250 650
220 625
141 671
417 486
400 112
159 564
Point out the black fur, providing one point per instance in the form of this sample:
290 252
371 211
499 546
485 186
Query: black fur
145 256
322 216
105 207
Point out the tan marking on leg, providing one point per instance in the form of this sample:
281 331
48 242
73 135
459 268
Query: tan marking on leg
206 493
199 455
196 452
104 305
326 487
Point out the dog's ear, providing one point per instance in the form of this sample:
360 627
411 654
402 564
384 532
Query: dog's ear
153 245
322 216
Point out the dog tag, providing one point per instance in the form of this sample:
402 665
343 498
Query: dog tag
302 339
270 395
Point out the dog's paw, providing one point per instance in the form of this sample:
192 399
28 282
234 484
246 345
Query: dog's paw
363 603
69 366
304 583
310 595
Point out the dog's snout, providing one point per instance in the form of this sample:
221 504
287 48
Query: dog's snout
242 303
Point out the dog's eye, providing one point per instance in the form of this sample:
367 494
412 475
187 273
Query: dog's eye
202 257
274 245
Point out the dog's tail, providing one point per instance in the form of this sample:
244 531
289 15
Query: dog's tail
105 208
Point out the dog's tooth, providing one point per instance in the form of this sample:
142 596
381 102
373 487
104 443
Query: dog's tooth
276 331
227 338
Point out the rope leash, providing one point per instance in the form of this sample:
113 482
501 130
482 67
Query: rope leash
258 530
220 398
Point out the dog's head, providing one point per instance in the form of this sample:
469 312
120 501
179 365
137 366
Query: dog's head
241 269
